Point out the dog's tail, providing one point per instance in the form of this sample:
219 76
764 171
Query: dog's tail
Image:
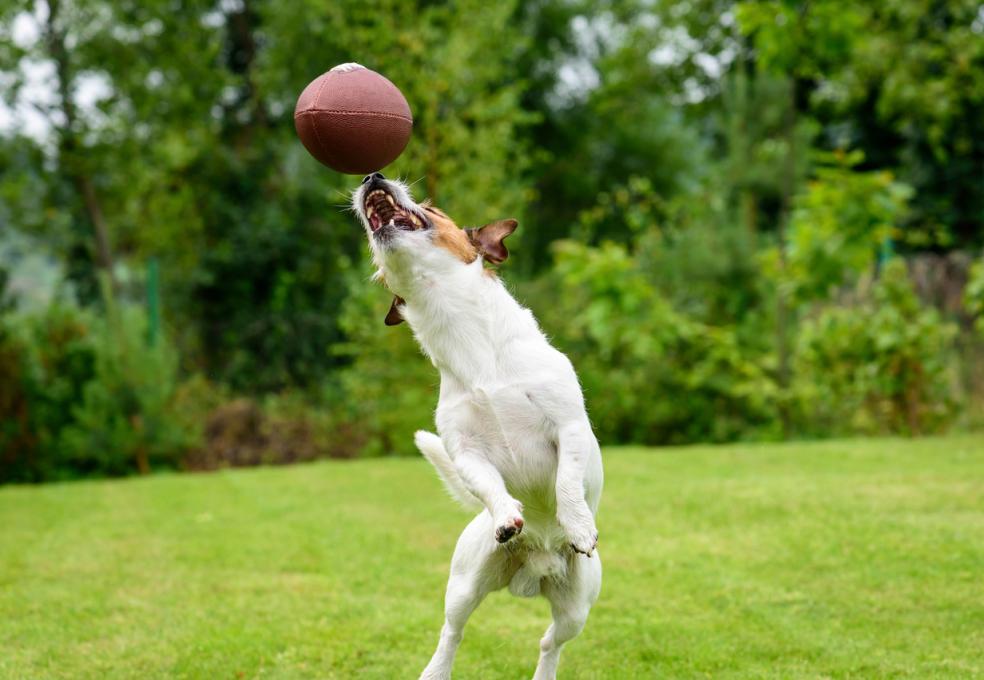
433 449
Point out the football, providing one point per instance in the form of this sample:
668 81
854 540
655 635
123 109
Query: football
353 120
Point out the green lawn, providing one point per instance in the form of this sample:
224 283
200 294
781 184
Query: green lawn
842 559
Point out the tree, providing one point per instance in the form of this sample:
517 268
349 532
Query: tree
191 156
913 100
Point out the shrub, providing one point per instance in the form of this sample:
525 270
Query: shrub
125 420
974 295
46 360
838 224
284 428
82 395
878 365
650 374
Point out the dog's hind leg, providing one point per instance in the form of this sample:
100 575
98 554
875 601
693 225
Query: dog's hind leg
463 595
479 566
570 601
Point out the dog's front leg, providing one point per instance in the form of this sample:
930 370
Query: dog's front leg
484 481
575 445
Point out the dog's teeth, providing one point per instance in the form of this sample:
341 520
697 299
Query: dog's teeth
390 199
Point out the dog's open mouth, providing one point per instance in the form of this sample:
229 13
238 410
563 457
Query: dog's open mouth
382 210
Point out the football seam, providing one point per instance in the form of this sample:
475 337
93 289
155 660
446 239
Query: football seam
321 144
374 114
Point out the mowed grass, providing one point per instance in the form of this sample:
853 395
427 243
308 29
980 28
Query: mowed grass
842 559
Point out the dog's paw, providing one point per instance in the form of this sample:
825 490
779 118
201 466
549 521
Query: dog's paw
581 531
585 544
509 524
507 530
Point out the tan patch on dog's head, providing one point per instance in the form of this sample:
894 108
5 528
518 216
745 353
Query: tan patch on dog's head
450 236
467 245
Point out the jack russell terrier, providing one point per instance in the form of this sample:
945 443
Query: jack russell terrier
515 441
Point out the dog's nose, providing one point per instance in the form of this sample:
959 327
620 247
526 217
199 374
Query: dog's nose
369 178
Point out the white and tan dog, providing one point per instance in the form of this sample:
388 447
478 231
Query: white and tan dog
514 440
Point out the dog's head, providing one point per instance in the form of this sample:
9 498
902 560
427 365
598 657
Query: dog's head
404 235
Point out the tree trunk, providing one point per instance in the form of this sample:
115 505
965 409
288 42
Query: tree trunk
68 145
241 28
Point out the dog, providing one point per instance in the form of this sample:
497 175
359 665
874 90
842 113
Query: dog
515 441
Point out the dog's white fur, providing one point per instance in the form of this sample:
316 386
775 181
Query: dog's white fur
514 438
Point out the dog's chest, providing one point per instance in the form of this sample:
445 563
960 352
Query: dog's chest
505 423
494 361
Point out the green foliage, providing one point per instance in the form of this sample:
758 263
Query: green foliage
753 160
802 39
650 374
614 114
913 100
605 159
193 158
839 224
881 364
46 361
82 395
703 259
974 294
125 420
623 210
756 140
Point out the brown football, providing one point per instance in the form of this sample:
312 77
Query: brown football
353 120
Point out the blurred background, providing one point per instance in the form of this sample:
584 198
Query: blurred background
743 220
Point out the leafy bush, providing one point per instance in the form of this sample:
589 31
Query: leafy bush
974 295
650 374
283 428
704 262
879 365
45 363
691 248
838 225
125 420
82 395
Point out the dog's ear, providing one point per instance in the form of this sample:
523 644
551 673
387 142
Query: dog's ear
393 316
489 239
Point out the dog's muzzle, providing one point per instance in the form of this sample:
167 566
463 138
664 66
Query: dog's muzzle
384 212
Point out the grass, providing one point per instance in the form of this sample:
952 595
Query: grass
842 559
